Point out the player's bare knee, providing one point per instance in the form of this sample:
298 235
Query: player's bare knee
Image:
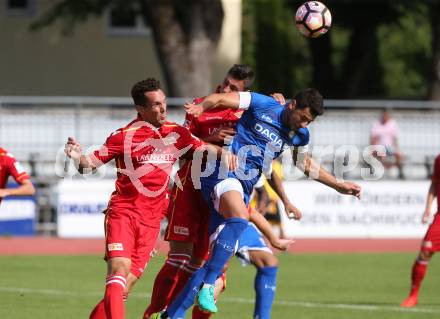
262 259
232 206
269 260
118 265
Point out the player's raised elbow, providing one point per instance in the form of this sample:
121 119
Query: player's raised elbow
28 188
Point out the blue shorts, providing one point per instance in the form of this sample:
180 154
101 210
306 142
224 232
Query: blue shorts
210 190
251 239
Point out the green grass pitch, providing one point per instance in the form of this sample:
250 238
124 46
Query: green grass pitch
310 286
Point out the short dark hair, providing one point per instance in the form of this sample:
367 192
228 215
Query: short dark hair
310 98
242 72
138 90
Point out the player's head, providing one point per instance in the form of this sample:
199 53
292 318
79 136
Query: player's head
386 116
150 101
238 79
303 109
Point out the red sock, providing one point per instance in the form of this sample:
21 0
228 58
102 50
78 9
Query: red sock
99 311
418 273
165 283
113 298
182 279
199 314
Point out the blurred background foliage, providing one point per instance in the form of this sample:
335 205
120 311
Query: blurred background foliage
375 49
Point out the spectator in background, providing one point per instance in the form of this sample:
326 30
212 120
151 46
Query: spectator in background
385 132
10 167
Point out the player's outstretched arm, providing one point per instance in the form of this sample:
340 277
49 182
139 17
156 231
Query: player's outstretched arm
74 151
25 189
266 229
262 197
225 100
429 199
277 185
315 171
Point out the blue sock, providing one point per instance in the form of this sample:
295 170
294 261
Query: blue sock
265 286
185 299
224 247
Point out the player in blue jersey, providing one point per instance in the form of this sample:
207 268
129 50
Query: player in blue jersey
264 131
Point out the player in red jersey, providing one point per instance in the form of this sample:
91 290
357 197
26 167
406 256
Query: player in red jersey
431 242
10 167
144 152
188 213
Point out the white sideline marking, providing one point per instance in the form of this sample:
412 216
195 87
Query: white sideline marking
289 303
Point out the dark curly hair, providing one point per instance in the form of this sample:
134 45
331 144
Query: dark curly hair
138 90
242 72
310 98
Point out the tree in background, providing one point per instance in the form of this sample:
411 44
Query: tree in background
434 9
375 49
185 33
271 45
359 72
406 52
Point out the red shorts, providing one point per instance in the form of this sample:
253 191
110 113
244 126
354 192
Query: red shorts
188 215
126 236
431 242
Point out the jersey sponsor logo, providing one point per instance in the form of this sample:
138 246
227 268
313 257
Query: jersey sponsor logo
181 230
209 118
273 288
154 151
225 246
272 136
267 118
155 158
213 130
115 246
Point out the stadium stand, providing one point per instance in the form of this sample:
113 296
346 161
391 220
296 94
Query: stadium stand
35 129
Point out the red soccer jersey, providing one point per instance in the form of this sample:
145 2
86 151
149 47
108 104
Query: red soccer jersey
212 120
10 167
436 179
144 158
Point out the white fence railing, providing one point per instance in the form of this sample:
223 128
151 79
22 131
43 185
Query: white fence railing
36 127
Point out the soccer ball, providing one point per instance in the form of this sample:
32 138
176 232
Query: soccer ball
313 19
